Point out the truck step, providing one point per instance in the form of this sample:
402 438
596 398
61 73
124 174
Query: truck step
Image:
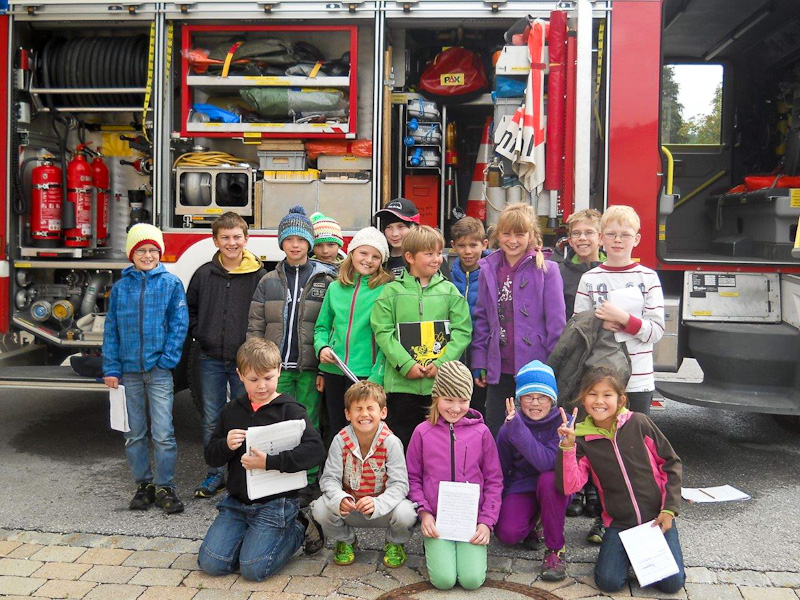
38 377
715 394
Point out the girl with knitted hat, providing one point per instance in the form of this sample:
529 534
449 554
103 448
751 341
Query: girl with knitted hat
343 329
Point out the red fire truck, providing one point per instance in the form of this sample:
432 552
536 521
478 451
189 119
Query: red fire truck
174 112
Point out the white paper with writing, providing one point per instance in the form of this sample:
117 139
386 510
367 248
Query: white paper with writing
720 493
630 300
345 369
118 409
649 553
457 510
273 439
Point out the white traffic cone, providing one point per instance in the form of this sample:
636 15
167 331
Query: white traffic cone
476 200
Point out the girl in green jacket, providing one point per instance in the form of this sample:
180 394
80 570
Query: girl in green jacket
343 332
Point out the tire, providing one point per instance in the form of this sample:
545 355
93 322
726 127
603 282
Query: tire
788 422
194 377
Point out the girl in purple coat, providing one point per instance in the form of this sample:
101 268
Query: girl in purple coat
534 509
453 444
520 312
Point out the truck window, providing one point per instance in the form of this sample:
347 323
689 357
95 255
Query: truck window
691 104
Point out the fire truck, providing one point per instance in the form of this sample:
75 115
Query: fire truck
175 112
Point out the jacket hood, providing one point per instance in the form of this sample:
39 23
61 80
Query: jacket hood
244 400
571 261
587 426
250 264
547 423
411 282
131 270
473 417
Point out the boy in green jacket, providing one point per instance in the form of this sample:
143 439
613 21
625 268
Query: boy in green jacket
420 321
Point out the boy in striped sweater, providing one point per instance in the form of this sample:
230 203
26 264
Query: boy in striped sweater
619 230
365 482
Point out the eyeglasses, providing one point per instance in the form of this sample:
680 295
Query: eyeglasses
625 237
142 251
576 235
530 399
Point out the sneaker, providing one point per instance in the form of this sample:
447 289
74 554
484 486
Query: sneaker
344 554
593 507
575 508
314 539
394 555
168 501
309 493
554 567
144 497
213 483
535 539
595 535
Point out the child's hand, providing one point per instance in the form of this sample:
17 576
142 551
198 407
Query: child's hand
236 438
567 429
366 505
511 410
416 372
664 520
256 459
326 356
111 382
320 384
480 377
610 312
482 535
431 370
428 524
346 506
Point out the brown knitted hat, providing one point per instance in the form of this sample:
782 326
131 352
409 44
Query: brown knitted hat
453 380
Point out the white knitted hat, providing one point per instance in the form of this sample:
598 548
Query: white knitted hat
370 236
141 234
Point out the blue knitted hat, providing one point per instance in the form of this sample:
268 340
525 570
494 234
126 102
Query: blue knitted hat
296 223
537 378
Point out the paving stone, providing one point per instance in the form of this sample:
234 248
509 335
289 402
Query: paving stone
579 569
577 590
549 586
18 566
354 571
276 583
7 546
24 586
710 591
499 563
381 580
405 575
104 556
65 554
523 565
109 574
313 586
700 575
784 579
360 590
163 577
766 593
748 578
112 591
277 596
151 558
56 570
521 578
221 595
39 537
652 591
187 562
56 588
198 579
173 593
306 568
164 544
25 551
126 542
88 540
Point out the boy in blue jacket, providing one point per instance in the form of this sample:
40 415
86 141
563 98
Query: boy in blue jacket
142 341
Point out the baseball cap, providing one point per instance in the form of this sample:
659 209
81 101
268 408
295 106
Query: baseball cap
399 209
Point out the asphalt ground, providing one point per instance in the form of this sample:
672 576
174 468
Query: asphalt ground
63 470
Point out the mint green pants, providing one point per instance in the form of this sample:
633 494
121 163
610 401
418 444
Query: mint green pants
449 562
302 386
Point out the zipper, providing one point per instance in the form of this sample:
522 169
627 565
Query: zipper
626 478
141 323
452 453
224 319
466 287
295 304
350 321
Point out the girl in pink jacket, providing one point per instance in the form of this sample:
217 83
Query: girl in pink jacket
453 444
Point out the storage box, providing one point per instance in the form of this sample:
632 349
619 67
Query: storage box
348 162
280 193
423 191
346 196
282 160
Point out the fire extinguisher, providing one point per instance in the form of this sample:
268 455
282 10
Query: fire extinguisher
77 214
100 181
47 198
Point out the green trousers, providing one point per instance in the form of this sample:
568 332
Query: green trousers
302 386
449 562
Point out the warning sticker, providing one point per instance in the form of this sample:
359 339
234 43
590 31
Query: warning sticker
794 198
726 281
701 313
702 282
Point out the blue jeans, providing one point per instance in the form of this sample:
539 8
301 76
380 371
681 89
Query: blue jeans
257 538
151 390
611 570
216 376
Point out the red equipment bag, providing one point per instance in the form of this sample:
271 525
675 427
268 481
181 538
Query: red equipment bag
455 75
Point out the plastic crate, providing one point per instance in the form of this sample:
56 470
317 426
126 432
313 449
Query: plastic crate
282 160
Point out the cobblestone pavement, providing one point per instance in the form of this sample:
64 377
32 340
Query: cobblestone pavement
98 567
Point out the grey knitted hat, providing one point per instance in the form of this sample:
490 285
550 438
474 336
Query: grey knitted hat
453 380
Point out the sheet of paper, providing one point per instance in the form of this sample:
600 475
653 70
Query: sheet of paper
630 300
457 510
649 553
347 372
118 409
272 439
720 493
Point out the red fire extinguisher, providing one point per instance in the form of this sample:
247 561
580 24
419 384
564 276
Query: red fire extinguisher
100 181
47 198
77 212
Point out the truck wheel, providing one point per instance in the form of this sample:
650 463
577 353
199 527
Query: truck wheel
195 378
788 422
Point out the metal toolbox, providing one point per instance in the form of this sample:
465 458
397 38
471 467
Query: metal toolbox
734 297
284 189
346 196
666 353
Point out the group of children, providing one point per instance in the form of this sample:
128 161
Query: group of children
485 331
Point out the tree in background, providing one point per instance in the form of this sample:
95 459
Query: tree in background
706 129
673 126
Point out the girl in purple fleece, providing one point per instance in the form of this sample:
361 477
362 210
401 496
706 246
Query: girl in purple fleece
453 444
533 507
520 312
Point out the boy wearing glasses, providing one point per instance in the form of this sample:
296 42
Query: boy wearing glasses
584 242
619 229
142 342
